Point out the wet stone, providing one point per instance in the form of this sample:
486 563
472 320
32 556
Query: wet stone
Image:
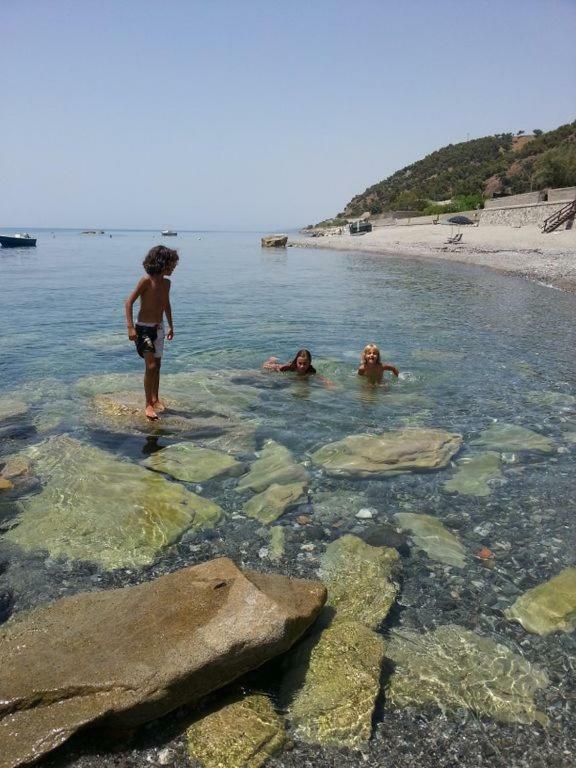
475 473
277 542
511 437
269 505
12 408
454 668
360 579
391 453
193 464
549 607
276 465
341 679
243 732
95 507
386 535
430 535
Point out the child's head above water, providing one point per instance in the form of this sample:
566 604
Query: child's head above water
302 362
370 355
160 260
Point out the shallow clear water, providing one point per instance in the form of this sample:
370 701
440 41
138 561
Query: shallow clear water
472 346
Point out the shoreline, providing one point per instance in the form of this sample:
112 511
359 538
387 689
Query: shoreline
549 259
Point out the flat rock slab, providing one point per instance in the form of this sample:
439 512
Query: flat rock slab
276 465
193 464
136 653
269 505
405 450
511 437
341 679
360 579
475 474
12 408
430 535
96 507
242 733
549 607
452 667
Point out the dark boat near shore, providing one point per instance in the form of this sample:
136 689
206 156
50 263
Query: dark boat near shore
169 233
360 227
17 241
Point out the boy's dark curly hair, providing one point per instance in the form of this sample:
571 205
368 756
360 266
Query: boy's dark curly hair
159 258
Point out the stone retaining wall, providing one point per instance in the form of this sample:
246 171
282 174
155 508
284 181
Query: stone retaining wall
561 194
520 215
528 198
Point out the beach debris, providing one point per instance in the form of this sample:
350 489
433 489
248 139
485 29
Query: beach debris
136 653
274 241
269 505
276 465
390 453
475 473
192 464
360 579
549 607
241 733
512 437
94 506
430 535
453 667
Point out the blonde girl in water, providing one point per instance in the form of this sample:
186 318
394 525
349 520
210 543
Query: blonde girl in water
372 367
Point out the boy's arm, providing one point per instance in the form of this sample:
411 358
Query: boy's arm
129 303
168 311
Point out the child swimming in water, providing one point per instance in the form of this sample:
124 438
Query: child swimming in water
300 364
372 367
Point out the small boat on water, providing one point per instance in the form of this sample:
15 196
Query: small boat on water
169 233
19 240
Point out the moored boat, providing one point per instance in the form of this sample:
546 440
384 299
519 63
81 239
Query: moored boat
18 240
169 233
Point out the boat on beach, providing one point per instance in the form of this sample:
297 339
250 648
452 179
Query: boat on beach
169 233
19 240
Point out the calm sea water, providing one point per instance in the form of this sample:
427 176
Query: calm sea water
474 346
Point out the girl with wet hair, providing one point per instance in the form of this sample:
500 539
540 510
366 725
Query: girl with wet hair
300 364
371 365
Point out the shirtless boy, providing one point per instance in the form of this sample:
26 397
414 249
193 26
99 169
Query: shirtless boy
153 290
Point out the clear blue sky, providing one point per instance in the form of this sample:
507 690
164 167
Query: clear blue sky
256 114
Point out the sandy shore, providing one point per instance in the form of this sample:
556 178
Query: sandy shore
526 252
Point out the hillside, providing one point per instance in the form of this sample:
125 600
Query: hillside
500 164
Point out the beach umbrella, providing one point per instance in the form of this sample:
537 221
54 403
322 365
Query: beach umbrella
460 220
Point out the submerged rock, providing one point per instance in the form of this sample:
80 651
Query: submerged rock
242 733
274 501
391 453
276 465
551 399
96 507
474 474
359 579
12 407
136 653
340 670
277 542
549 607
430 535
511 437
192 464
452 667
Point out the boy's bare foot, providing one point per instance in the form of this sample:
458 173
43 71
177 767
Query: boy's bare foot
151 413
159 406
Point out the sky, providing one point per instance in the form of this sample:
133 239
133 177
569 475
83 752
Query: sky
257 114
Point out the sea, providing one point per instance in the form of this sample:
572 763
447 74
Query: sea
475 350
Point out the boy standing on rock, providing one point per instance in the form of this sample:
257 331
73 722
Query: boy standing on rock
153 290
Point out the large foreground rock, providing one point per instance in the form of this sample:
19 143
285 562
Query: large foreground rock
274 241
122 657
391 453
96 507
549 607
452 667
